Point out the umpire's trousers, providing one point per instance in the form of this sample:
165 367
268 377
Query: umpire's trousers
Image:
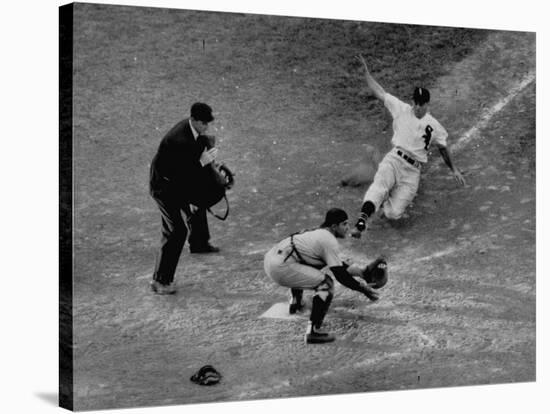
174 233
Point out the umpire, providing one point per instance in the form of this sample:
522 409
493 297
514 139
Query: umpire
181 156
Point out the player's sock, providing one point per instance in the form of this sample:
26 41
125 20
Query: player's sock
296 303
296 295
368 208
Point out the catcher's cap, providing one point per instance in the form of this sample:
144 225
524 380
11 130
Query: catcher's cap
421 95
202 112
334 216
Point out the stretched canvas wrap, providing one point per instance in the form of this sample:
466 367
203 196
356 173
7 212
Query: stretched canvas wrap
296 122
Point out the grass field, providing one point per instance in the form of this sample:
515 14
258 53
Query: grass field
294 117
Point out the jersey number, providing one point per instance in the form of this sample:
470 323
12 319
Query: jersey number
427 136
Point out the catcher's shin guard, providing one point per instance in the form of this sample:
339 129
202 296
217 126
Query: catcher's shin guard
321 301
319 309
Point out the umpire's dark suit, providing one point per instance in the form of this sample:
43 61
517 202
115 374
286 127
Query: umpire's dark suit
173 175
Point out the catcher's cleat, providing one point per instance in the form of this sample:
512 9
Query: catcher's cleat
315 337
161 289
319 332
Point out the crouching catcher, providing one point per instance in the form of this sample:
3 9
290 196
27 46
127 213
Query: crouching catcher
310 260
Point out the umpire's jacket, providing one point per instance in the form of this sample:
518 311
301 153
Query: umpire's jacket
175 170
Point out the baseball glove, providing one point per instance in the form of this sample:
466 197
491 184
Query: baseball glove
376 273
227 177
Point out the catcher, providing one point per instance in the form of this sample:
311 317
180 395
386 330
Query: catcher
310 259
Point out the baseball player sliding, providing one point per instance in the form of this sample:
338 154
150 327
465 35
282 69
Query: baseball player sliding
414 129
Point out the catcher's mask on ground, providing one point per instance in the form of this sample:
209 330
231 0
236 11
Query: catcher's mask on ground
207 375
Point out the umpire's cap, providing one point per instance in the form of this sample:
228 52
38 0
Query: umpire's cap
421 95
334 216
202 112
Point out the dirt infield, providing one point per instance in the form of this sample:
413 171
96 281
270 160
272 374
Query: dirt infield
293 118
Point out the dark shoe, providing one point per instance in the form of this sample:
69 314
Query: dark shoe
315 337
161 289
320 333
207 248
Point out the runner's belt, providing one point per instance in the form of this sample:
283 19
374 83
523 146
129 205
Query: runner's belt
410 160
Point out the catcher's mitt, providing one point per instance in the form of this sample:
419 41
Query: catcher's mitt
227 177
376 273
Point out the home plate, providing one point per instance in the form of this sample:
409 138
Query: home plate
280 311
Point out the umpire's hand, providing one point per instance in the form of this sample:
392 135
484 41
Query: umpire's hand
208 156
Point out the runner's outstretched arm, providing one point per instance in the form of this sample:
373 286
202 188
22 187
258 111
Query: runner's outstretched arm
374 86
447 158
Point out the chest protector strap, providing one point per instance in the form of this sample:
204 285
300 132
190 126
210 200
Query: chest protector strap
295 250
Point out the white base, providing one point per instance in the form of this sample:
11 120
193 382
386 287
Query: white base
280 311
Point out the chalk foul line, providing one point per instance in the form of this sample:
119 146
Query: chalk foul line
487 115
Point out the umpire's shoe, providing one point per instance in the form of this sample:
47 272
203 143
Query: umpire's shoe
161 289
204 248
318 337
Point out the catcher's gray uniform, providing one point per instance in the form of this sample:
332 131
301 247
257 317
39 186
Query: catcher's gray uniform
317 249
310 260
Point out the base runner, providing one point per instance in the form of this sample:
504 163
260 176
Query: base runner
414 129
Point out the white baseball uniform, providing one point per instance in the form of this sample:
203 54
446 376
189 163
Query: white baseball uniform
396 181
